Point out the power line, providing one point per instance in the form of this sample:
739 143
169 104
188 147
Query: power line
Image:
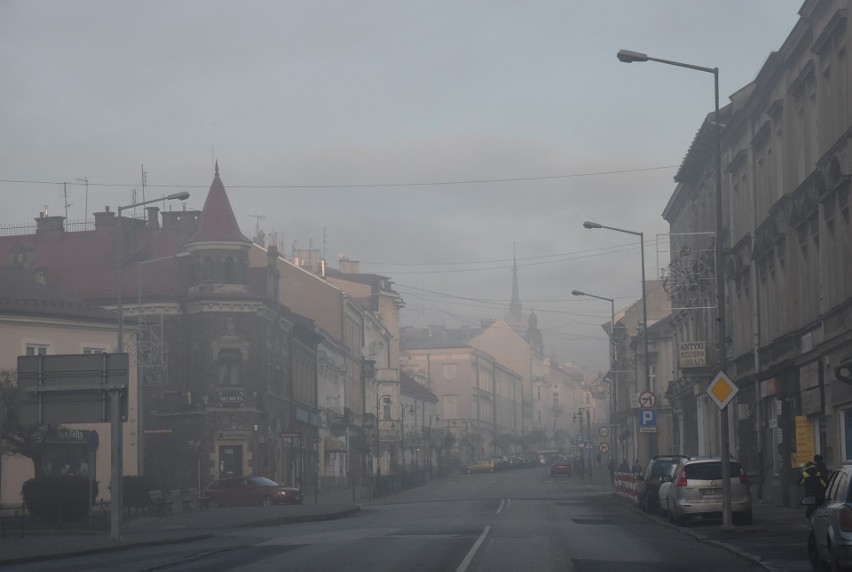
367 185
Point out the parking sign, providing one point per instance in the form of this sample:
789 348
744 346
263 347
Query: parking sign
647 420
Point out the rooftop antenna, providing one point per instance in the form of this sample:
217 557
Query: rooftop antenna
144 180
257 219
67 204
85 181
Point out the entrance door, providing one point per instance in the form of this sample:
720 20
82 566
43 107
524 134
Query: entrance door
230 461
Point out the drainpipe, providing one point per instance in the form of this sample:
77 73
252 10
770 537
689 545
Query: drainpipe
755 329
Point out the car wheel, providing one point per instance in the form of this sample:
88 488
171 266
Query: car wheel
266 501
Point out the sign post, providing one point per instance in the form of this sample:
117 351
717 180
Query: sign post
79 388
722 391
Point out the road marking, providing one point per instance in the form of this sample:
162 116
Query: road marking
502 504
472 552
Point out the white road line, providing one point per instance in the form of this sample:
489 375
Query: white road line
502 504
472 552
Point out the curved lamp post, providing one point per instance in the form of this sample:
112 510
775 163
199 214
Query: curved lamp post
628 56
613 439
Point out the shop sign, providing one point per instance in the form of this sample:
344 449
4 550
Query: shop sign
804 440
231 397
692 354
232 435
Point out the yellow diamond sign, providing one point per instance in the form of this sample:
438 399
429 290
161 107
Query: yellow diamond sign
722 390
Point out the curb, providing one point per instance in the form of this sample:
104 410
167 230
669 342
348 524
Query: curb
190 538
702 538
103 549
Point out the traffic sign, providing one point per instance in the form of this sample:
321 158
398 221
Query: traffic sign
603 431
722 390
603 447
647 399
647 420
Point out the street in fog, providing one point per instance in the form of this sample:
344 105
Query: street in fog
513 520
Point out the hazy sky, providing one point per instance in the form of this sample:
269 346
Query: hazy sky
426 139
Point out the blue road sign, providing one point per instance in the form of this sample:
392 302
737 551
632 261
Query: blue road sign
647 420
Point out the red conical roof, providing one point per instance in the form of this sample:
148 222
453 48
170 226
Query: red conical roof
218 222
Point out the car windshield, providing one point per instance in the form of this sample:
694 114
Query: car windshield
710 471
662 467
264 482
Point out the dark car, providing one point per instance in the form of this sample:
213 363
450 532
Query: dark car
247 491
560 467
648 488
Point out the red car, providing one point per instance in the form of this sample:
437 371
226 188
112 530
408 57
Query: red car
560 466
248 491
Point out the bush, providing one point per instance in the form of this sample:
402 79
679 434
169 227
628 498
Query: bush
135 491
59 496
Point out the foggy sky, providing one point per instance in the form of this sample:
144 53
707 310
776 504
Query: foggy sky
386 131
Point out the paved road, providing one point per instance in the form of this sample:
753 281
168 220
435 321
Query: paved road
515 520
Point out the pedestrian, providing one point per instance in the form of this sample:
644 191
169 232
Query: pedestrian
623 467
637 468
820 465
812 485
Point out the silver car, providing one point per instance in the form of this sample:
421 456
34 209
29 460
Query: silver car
696 490
830 540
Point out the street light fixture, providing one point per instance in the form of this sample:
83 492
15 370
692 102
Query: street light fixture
181 196
140 369
628 56
641 236
613 438
386 398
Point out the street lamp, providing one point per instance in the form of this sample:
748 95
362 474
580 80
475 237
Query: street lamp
140 371
182 196
613 440
386 398
402 431
628 56
641 236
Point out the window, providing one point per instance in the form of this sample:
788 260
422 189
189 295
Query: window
36 350
94 351
555 400
230 361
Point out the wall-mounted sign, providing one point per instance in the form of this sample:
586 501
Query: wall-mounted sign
692 354
231 397
232 435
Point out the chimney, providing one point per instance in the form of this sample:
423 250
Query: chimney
46 224
153 217
105 219
349 266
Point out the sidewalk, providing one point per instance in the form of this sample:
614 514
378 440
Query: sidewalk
173 528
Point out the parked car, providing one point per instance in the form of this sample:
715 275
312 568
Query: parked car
697 491
501 462
830 539
247 491
648 487
487 466
561 466
665 483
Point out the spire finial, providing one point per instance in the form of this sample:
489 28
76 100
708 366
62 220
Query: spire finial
217 167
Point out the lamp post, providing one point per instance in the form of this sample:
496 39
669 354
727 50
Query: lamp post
140 369
386 398
579 417
182 196
646 359
116 423
402 431
613 441
628 56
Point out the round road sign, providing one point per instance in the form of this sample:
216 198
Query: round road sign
647 399
603 431
603 447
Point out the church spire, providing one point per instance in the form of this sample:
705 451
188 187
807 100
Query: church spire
516 312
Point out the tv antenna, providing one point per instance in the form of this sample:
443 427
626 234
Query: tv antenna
257 219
